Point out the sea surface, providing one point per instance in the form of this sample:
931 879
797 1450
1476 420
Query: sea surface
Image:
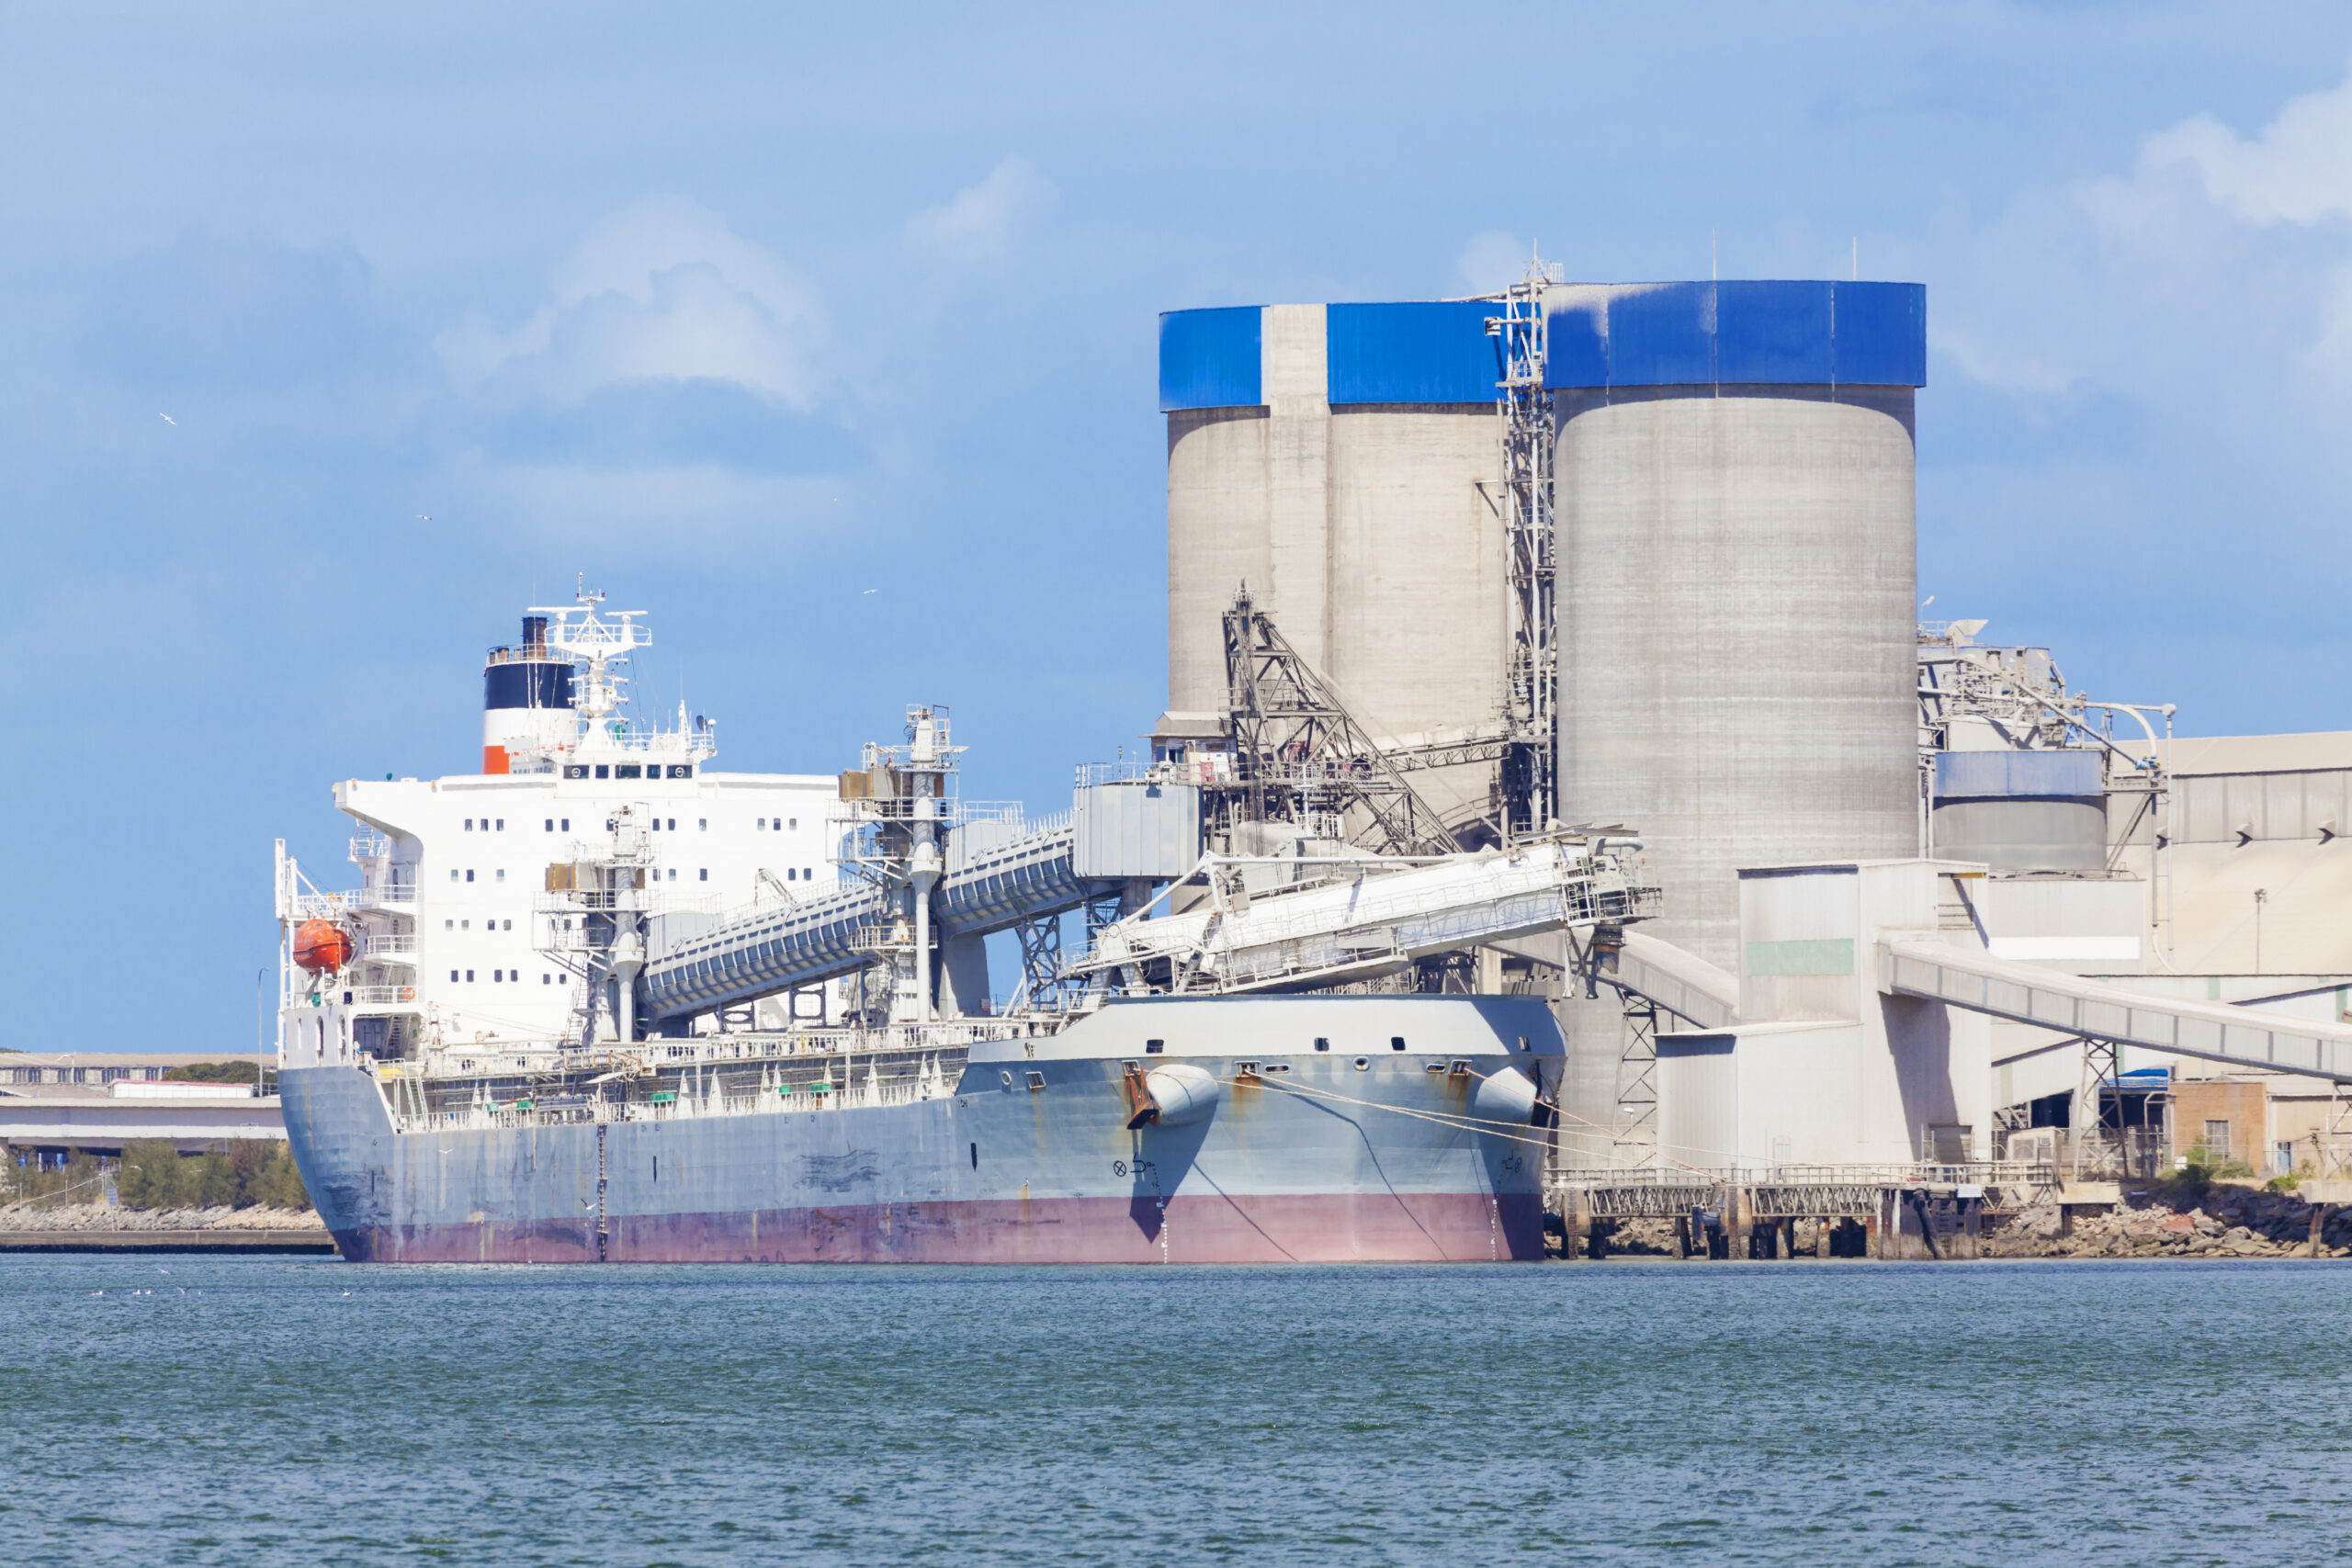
203 1410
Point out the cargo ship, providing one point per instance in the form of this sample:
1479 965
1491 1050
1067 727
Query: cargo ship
602 1002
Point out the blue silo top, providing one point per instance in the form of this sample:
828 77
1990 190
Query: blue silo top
1602 337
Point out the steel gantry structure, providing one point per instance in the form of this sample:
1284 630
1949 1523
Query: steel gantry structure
1528 430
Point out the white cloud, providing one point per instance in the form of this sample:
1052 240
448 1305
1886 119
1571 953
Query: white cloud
2216 271
662 290
2298 171
1494 259
977 225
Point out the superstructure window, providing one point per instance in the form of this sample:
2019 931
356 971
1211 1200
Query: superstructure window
706 873
1395 1042
701 822
470 976
470 824
509 926
627 771
497 975
453 976
796 821
502 875
762 823
603 771
449 925
546 979
453 876
792 874
1321 1043
1154 1047
656 824
501 824
674 824
575 770
550 824
469 875
566 824
807 875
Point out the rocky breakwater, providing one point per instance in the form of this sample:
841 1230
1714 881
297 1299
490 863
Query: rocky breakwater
39 1218
2223 1223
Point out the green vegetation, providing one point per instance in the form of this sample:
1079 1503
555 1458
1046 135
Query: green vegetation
19 1182
214 1072
242 1173
2281 1183
2201 1158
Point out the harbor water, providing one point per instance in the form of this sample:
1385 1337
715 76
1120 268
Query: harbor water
256 1411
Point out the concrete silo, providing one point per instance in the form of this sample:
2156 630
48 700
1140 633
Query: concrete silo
1340 460
1737 588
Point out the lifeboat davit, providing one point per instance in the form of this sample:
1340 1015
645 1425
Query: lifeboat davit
321 946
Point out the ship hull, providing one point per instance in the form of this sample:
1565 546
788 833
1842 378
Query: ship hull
1311 1158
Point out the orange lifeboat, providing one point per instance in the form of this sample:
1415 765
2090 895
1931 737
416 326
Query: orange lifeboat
321 946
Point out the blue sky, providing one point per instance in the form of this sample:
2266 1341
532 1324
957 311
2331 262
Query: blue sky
741 311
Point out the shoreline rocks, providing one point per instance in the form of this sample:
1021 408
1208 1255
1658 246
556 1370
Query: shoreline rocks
36 1215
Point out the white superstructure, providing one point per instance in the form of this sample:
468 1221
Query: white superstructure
458 935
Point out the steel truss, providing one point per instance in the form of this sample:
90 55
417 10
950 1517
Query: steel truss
1529 431
1301 758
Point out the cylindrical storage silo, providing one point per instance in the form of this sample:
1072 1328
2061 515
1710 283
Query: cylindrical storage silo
1737 602
2023 812
1341 460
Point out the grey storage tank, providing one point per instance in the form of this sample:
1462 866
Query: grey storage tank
1737 583
1340 459
2025 812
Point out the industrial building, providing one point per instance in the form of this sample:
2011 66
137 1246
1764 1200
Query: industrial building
54 1105
1641 558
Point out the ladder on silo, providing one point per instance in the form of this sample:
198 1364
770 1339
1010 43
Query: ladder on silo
1530 782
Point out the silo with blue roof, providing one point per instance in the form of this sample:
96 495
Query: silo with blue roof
1735 483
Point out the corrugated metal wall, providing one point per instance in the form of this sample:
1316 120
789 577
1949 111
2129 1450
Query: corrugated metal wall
1749 331
2010 774
1209 359
1698 1100
2214 808
1426 352
1127 831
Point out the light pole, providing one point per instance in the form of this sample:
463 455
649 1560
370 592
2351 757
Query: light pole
2261 897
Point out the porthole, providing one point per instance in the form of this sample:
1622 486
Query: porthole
1362 1063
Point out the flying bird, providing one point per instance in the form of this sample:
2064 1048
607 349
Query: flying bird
167 419
870 590
423 517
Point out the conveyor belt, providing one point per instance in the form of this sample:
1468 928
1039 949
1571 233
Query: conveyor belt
1374 923
2214 1031
772 951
